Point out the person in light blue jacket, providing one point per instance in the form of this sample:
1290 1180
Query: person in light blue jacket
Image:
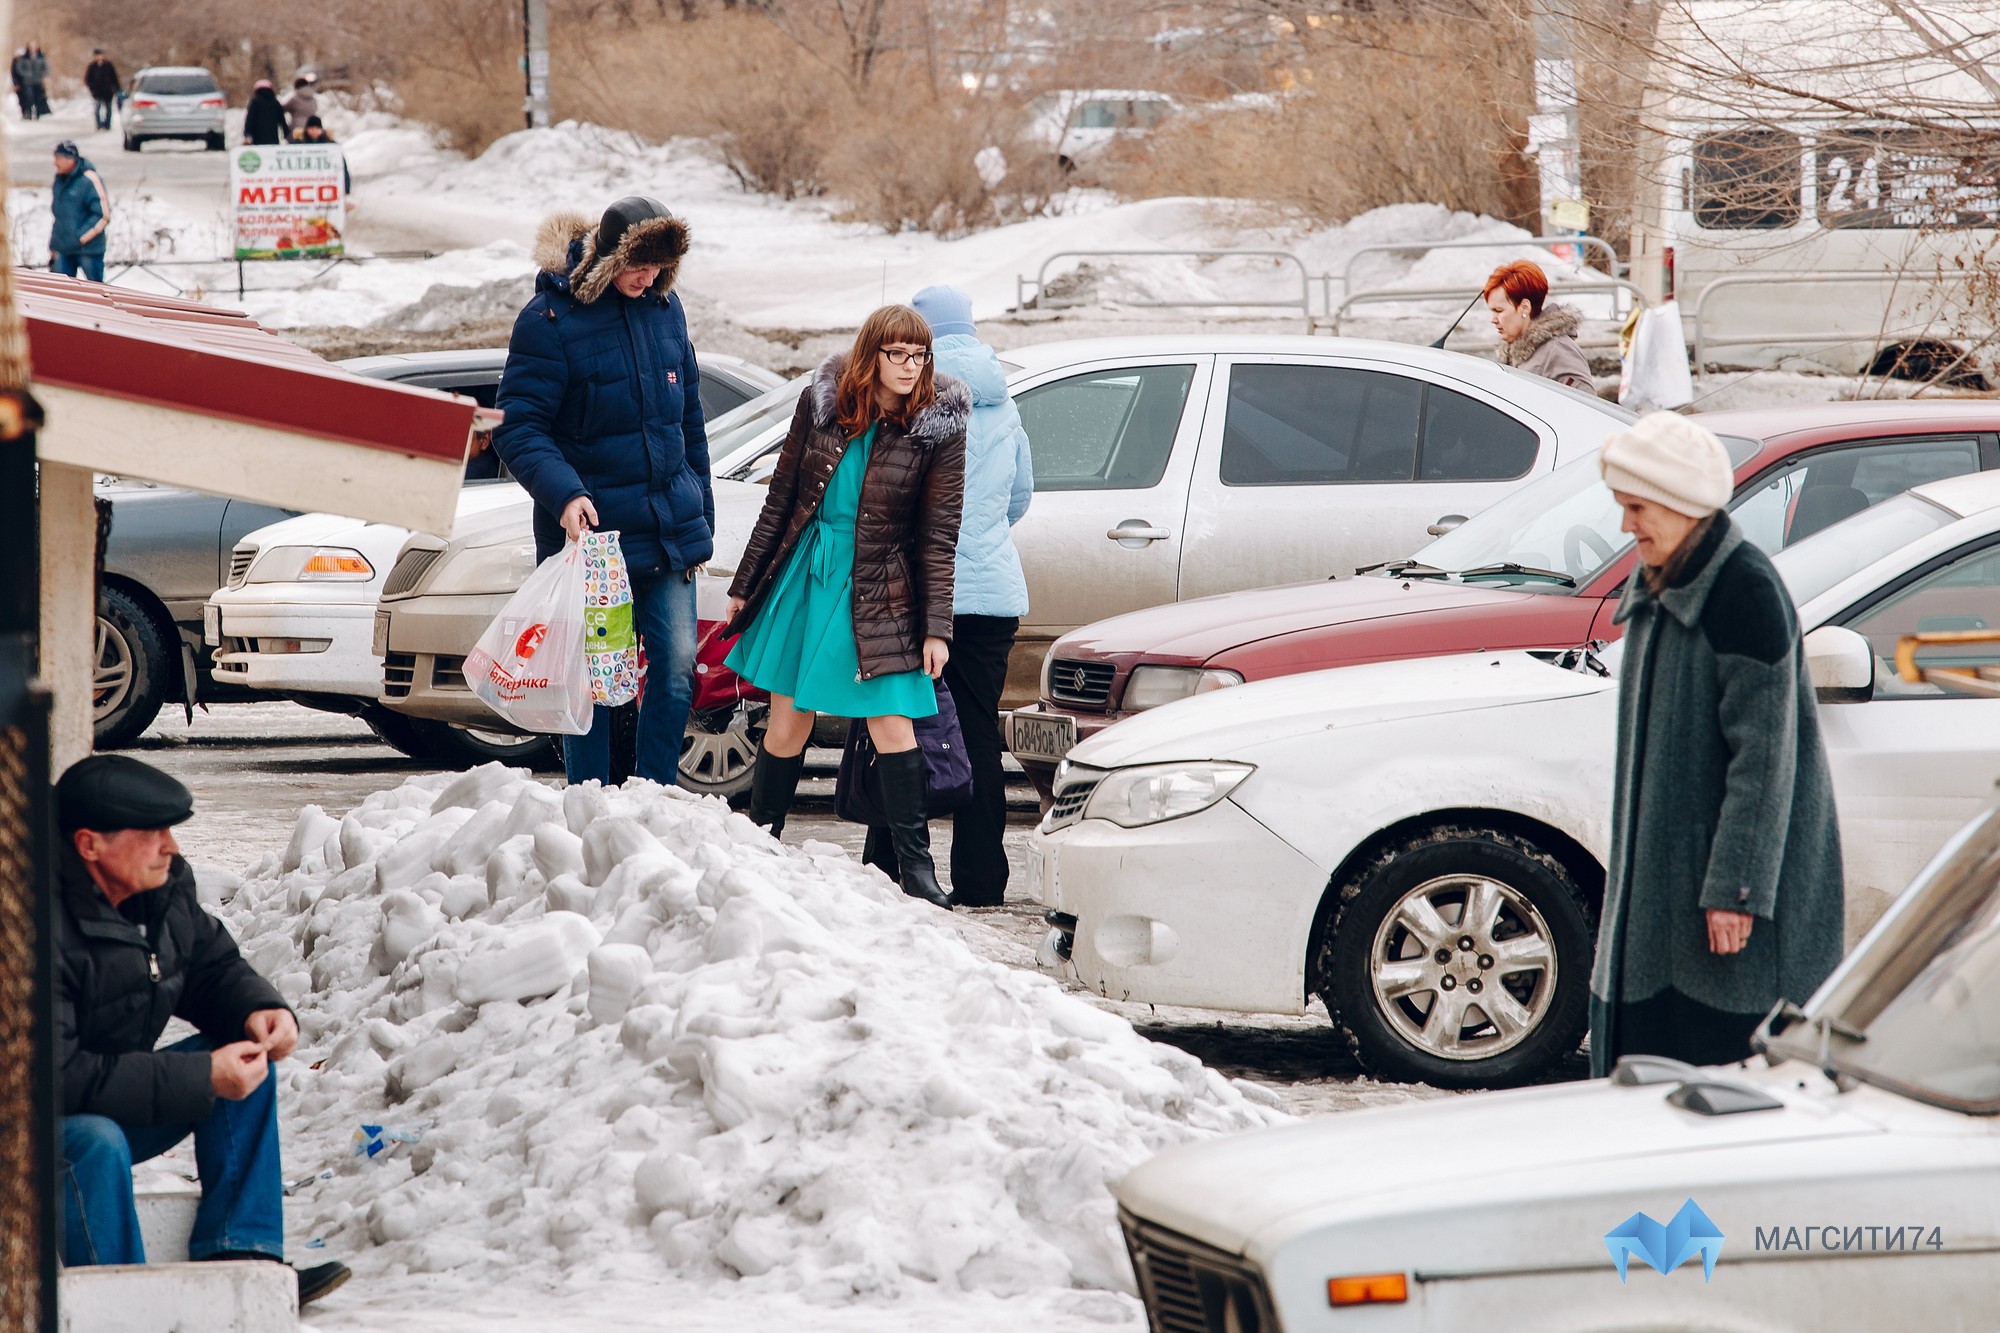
990 595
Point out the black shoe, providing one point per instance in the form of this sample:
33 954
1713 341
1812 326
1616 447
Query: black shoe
314 1282
902 778
773 783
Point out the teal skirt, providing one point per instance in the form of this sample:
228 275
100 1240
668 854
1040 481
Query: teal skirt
801 643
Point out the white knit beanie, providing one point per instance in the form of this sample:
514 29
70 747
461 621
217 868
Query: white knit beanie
1666 458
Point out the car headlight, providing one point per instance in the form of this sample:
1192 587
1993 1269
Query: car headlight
1151 686
484 569
311 564
1150 793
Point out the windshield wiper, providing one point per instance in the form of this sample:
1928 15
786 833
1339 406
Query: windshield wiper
1406 569
1509 567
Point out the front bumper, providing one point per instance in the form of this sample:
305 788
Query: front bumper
1212 910
347 665
423 667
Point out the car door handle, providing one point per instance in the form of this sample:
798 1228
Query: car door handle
1137 530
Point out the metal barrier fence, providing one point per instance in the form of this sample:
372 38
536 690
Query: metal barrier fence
1593 243
1882 335
116 269
1302 303
1612 287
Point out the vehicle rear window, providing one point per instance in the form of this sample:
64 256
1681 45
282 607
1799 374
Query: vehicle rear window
175 85
1746 180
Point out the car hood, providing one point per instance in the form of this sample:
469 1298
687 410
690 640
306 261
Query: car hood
508 516
1540 1146
380 541
1234 722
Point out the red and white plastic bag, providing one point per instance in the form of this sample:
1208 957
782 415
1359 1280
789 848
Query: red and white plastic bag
529 665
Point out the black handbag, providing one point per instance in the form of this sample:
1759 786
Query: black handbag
857 791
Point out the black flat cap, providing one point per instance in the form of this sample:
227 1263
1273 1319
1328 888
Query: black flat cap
109 792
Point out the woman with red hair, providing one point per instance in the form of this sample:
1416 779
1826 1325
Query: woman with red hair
843 596
1535 335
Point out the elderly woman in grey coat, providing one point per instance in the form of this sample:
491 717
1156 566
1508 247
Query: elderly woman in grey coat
1725 889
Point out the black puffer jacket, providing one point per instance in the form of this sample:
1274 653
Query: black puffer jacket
905 535
121 974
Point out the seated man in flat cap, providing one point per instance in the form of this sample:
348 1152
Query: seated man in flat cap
135 948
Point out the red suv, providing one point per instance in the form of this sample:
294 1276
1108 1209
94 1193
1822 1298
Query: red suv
1539 569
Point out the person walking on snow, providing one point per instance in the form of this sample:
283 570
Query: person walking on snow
135 947
844 594
1725 875
35 80
1536 335
18 69
100 80
82 210
264 119
314 131
302 102
989 596
604 428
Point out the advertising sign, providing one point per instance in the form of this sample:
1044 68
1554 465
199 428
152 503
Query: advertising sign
286 201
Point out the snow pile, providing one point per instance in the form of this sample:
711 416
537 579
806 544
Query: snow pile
639 1036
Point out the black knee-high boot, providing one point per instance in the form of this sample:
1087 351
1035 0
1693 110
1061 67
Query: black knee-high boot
902 778
773 783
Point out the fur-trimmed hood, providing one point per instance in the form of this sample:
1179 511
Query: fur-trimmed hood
945 417
1555 321
566 251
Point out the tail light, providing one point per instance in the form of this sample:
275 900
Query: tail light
1667 273
144 102
214 101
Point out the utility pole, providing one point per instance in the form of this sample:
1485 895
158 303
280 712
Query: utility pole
535 61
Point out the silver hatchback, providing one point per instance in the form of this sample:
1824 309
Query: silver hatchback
174 102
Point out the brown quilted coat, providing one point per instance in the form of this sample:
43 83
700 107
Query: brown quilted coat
905 532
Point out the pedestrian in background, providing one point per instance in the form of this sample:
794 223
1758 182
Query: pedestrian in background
1725 876
100 80
35 81
302 102
82 210
313 131
989 596
1536 335
17 69
843 597
604 429
264 119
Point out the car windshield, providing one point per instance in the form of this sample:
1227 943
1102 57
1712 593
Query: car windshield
1812 566
1566 525
175 85
1917 1008
746 421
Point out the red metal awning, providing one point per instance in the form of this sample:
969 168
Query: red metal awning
188 395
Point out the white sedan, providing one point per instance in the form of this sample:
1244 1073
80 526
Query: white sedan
1422 844
1847 1182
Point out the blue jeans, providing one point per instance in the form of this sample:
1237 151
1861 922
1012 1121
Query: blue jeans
90 266
103 113
235 1152
663 611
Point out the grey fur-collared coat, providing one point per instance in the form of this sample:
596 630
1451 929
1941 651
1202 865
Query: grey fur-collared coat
1549 348
1722 799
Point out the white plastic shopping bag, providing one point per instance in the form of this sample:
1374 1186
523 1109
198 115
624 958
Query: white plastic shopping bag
529 664
1657 377
610 645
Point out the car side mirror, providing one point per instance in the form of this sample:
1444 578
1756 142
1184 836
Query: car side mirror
1445 524
1841 665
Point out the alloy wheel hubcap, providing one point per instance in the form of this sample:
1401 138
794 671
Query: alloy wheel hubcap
111 679
1464 967
714 757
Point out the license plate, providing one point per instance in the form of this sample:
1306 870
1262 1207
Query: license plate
381 645
1049 736
211 625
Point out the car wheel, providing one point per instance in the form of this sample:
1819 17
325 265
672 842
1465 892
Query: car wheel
132 143
1459 958
403 734
720 749
468 747
212 143
132 671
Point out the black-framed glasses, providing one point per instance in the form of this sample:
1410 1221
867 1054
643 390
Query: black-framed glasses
900 357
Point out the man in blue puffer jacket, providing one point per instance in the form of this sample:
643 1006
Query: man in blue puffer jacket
604 429
990 595
82 210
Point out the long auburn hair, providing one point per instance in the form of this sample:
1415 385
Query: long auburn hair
854 395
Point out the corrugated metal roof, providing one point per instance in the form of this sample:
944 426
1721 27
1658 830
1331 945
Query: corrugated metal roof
194 358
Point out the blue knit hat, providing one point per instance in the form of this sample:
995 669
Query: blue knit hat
946 309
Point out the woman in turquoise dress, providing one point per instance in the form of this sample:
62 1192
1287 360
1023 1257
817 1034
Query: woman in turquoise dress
843 597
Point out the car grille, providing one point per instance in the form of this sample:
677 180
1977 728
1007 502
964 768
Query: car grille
1084 683
399 673
240 561
1069 803
410 570
448 673
1189 1287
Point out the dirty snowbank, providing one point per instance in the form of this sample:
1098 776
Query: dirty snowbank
639 1038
